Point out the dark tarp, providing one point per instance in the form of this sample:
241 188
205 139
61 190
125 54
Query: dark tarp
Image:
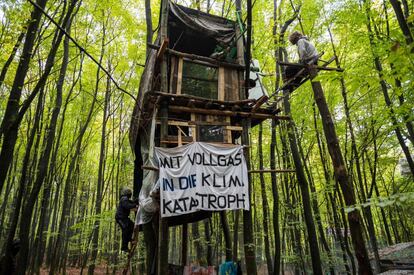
220 29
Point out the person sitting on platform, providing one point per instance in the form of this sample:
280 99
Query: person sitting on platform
122 217
307 55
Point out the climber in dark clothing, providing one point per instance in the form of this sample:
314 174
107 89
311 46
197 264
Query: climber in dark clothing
122 217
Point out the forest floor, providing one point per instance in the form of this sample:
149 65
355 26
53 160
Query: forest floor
99 270
402 252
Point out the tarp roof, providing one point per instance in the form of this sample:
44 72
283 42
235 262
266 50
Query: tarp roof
220 29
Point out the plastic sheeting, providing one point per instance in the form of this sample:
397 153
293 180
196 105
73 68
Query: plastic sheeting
147 204
220 29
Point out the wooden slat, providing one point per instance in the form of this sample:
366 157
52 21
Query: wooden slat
221 84
179 76
176 123
180 140
194 130
152 168
226 113
228 132
218 123
172 69
189 97
173 142
234 128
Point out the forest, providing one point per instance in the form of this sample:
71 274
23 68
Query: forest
331 182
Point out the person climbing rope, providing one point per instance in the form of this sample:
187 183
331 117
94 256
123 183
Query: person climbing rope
307 55
122 217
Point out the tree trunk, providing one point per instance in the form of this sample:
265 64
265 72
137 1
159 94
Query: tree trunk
226 233
384 88
45 156
355 157
11 57
162 267
8 128
265 206
207 233
249 249
184 244
275 193
23 179
197 241
69 178
148 20
303 184
341 174
236 216
101 172
396 5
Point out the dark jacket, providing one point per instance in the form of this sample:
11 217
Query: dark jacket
125 205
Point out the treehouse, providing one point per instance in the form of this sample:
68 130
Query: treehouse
195 74
193 88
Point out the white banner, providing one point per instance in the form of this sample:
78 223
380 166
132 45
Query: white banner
202 176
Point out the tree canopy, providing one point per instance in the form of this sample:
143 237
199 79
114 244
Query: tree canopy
65 112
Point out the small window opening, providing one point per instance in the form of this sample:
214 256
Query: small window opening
200 80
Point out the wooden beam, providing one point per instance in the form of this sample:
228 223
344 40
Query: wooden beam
226 113
234 128
213 123
299 65
177 123
260 102
172 74
162 49
236 102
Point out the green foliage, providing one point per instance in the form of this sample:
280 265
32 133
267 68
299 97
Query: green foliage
117 31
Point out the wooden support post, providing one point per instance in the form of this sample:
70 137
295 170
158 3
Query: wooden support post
221 84
249 248
341 175
163 224
162 265
179 75
184 244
